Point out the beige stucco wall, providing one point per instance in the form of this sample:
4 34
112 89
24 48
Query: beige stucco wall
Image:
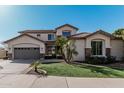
86 43
117 49
80 48
43 36
106 41
25 41
59 31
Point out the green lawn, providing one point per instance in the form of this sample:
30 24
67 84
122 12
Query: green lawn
85 70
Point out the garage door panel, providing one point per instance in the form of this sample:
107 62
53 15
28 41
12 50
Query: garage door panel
26 53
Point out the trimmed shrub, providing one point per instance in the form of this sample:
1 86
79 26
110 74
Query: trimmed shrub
53 57
100 60
5 58
122 58
48 57
111 59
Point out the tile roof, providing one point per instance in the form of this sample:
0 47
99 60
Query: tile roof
38 31
85 35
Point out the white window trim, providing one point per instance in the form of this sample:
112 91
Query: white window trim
53 39
103 49
65 31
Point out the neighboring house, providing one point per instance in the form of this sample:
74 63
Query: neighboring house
31 44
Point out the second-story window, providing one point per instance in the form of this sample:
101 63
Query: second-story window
51 37
66 33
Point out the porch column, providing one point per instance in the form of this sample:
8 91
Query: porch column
108 51
87 52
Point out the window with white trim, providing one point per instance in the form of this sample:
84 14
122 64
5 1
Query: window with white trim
97 47
66 33
51 37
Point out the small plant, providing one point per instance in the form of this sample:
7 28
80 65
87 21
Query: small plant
35 65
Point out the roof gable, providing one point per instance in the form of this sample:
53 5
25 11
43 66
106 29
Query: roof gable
47 31
86 35
101 32
21 36
66 25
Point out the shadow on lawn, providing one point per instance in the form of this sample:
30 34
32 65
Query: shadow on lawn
49 62
108 71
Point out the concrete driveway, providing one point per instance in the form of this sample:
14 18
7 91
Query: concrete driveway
14 66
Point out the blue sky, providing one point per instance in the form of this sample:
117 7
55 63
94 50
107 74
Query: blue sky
86 18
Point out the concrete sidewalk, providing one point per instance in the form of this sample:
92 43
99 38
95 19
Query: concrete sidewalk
14 66
33 81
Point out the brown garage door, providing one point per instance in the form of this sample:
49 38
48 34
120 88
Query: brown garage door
26 53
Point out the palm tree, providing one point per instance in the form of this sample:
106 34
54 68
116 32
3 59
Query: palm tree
66 48
119 33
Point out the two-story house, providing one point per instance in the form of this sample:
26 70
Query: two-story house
35 44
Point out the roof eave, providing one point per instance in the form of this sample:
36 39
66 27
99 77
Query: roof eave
35 31
20 36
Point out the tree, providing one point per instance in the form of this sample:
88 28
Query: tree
66 48
35 65
119 33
